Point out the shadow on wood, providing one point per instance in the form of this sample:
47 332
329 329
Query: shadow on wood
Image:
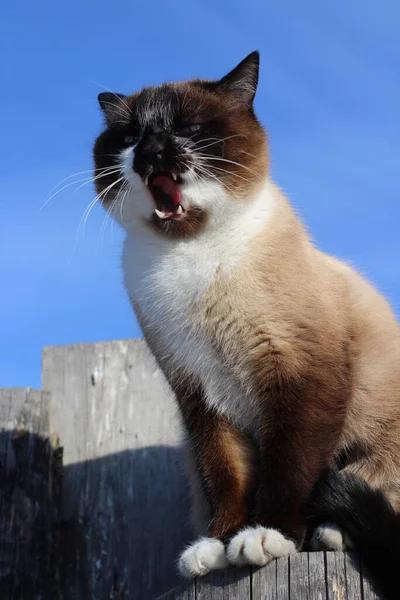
303 576
119 541
123 524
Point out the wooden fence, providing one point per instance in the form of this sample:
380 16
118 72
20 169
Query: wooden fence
93 504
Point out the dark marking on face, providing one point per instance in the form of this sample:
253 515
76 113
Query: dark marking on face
205 131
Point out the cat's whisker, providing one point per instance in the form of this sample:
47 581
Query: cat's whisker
120 100
117 199
227 172
86 179
232 162
120 111
208 173
100 196
113 172
69 177
249 154
123 200
221 140
106 171
109 212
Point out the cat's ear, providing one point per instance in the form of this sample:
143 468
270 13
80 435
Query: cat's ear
242 81
113 106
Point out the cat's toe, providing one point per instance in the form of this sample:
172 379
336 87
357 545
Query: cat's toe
258 546
201 557
330 537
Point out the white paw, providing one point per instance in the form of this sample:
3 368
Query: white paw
330 537
201 557
258 546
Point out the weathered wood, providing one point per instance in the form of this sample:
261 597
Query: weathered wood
264 583
26 509
282 579
304 576
124 507
353 575
369 592
224 585
298 576
335 576
316 575
181 593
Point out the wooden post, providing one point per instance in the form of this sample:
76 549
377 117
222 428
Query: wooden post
124 505
26 493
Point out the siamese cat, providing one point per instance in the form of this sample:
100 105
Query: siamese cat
283 360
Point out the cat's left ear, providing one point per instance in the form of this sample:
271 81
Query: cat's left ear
242 81
113 106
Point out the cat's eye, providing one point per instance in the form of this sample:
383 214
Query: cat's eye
130 139
188 130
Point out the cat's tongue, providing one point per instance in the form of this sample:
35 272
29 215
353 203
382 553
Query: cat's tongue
165 185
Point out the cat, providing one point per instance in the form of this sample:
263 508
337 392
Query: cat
282 359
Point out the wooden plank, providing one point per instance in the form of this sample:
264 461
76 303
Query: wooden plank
25 495
353 576
181 593
232 584
298 576
336 576
264 582
369 591
282 578
124 498
317 576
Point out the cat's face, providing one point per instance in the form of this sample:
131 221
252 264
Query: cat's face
179 155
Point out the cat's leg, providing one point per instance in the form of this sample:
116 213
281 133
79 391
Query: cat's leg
224 461
304 425
200 509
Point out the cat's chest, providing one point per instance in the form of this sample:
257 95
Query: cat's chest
169 292
168 283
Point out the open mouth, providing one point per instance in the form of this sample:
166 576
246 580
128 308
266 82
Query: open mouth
164 188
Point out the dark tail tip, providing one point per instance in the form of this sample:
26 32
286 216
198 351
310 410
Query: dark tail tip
368 518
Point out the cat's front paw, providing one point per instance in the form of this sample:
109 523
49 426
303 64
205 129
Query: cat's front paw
258 546
201 557
330 537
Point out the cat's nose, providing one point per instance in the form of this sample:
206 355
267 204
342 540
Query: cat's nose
153 147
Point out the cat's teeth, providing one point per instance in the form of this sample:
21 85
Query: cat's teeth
146 180
160 213
179 210
174 177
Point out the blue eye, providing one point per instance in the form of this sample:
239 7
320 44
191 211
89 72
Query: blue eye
130 139
188 130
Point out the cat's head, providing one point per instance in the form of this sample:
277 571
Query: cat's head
180 155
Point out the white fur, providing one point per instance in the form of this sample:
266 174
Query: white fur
166 277
330 537
201 557
258 546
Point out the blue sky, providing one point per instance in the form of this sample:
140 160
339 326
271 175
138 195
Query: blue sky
329 96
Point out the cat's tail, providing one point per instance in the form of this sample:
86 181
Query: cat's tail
370 521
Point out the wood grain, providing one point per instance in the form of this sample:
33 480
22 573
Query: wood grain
26 510
124 499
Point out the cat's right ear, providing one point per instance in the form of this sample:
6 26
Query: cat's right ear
113 107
